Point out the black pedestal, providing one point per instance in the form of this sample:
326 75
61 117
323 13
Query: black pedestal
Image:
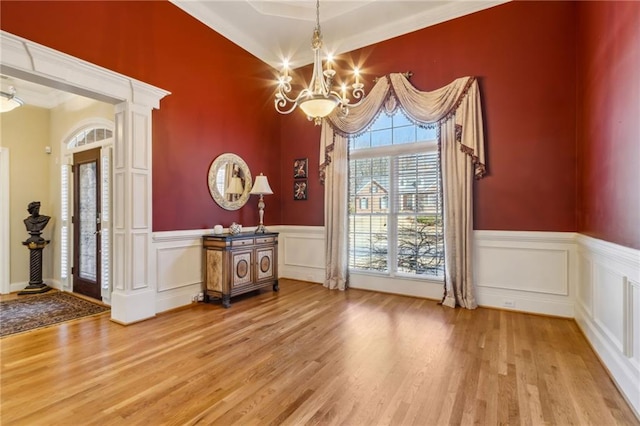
35 268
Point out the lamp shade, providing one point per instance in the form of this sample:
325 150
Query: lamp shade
261 186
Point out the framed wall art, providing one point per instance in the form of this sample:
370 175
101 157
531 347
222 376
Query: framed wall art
300 168
300 190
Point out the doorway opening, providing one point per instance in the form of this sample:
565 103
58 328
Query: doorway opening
133 295
86 211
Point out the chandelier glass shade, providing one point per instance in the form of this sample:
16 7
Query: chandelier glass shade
9 100
319 98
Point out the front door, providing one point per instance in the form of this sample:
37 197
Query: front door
86 223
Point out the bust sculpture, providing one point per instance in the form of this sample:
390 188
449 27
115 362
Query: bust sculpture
35 223
35 243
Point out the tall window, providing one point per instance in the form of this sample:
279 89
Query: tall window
402 233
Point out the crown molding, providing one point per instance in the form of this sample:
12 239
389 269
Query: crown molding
30 61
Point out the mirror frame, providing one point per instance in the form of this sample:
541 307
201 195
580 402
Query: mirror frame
223 160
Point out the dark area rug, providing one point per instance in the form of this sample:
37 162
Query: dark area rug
31 312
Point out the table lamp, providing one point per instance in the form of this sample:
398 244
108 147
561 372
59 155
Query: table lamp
261 187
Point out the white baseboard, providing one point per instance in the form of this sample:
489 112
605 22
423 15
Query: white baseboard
524 302
174 299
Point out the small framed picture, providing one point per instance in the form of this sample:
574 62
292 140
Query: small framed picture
300 168
300 190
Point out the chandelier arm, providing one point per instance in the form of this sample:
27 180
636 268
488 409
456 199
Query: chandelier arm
358 93
284 87
282 94
280 104
337 95
304 93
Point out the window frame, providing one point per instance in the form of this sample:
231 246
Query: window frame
393 151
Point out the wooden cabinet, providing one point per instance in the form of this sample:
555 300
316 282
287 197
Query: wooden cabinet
237 264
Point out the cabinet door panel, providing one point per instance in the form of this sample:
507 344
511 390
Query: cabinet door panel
265 267
214 270
241 262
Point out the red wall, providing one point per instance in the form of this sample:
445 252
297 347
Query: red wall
524 56
609 121
220 101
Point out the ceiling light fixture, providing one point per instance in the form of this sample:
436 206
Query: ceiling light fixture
9 100
319 99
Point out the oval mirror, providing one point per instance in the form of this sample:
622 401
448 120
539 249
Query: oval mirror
229 181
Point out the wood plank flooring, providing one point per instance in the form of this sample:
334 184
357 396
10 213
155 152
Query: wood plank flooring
310 356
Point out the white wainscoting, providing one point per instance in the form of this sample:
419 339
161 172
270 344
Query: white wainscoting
301 256
301 252
526 271
176 267
177 261
607 309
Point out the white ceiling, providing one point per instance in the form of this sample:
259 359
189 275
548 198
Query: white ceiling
33 93
273 30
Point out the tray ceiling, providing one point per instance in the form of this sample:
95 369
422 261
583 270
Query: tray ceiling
273 30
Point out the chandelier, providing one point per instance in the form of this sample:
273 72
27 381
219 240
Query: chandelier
319 99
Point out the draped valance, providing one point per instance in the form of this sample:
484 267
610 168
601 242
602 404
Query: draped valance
459 100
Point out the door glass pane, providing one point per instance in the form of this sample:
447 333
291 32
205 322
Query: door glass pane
88 214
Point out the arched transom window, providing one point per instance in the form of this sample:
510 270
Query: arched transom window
90 135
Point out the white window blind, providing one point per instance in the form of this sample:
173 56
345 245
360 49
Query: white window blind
64 222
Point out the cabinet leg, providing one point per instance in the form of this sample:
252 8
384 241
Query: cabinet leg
226 301
276 287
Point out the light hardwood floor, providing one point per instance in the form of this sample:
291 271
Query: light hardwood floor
309 356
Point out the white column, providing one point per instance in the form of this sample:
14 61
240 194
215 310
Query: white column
133 297
4 222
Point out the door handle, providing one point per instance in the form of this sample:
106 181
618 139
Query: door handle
97 232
